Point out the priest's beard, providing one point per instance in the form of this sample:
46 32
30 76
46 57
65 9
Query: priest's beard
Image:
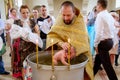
67 22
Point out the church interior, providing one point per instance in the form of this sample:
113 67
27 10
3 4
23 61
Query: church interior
53 9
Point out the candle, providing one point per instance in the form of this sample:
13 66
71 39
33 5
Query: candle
69 54
52 55
37 52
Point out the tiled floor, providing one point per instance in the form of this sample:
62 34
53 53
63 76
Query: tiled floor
101 75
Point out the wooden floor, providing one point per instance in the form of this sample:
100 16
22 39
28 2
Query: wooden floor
101 75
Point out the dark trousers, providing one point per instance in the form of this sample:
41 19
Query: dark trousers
116 59
103 58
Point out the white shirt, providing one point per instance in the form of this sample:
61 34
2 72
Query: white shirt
104 27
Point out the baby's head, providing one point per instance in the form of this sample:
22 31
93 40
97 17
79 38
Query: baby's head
32 23
18 22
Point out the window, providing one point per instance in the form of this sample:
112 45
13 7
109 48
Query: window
117 3
18 3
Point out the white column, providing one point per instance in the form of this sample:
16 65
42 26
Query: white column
111 5
91 5
2 9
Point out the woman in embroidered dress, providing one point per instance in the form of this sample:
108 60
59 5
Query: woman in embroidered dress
22 48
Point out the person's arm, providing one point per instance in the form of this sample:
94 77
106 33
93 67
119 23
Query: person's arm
64 45
117 25
118 32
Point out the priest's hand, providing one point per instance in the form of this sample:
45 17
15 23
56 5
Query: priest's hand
65 45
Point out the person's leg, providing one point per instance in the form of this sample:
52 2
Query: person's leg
97 63
117 55
105 59
2 70
112 57
116 59
103 49
44 44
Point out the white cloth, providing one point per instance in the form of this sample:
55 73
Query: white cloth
45 25
116 37
104 27
10 21
1 43
17 32
26 26
23 32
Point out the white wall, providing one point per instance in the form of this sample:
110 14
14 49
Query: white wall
54 8
32 3
111 5
91 5
57 4
2 9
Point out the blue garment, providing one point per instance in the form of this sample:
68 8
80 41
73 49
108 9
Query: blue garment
91 33
119 48
2 26
2 69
